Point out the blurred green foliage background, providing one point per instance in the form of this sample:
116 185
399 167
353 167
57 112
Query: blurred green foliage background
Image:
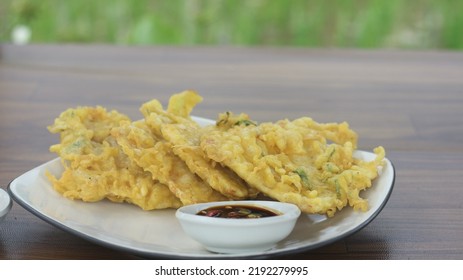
418 24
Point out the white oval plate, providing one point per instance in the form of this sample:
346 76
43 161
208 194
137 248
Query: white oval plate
158 233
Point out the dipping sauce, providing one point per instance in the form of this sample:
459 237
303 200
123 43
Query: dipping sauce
237 212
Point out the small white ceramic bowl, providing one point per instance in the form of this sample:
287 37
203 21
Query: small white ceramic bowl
224 235
5 204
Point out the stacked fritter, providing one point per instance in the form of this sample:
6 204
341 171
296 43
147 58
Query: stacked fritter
167 160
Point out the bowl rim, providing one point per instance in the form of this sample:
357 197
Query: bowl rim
288 213
5 203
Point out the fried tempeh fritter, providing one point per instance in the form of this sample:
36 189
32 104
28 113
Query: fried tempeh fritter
175 126
95 167
155 156
293 162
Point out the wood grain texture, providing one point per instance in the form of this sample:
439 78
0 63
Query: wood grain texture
409 102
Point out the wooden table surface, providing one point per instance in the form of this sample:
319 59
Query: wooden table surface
409 102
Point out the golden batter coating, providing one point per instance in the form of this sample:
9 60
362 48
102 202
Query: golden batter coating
155 156
293 162
95 167
167 160
175 126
